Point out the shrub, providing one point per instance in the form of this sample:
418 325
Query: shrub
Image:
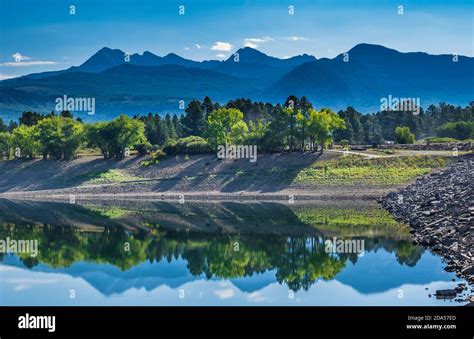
458 130
188 145
403 135
154 158
143 147
344 143
440 140
5 144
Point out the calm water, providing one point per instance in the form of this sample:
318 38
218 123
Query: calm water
158 253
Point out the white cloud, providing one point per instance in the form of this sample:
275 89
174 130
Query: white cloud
186 48
27 63
225 294
256 297
250 44
198 46
220 56
221 46
295 38
255 42
20 61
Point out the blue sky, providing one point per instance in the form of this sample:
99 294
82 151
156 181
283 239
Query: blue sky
47 37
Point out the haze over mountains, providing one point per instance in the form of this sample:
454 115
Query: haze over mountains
147 82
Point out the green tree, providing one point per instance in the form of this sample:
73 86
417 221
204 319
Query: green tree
126 133
170 126
97 135
60 137
207 106
404 136
194 122
3 127
177 126
226 125
30 118
11 126
460 130
5 144
114 137
321 126
25 140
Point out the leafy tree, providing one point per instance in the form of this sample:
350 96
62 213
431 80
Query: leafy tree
239 133
5 144
25 138
60 137
321 125
226 125
114 137
404 136
97 135
257 132
126 133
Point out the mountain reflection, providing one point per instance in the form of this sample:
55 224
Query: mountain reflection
290 241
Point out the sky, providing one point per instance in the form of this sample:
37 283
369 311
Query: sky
37 36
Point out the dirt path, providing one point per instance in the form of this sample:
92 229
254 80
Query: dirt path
366 155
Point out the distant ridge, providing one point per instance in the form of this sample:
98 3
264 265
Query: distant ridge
147 82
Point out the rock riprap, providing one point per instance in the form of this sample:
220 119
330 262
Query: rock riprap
440 209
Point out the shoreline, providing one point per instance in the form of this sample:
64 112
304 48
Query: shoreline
283 195
439 208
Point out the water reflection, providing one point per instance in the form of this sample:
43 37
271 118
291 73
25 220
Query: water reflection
121 247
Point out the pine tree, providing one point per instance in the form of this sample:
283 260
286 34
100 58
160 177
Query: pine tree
194 122
177 126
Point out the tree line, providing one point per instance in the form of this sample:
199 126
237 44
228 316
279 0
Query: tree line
292 126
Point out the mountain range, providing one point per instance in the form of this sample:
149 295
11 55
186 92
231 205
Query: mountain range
140 83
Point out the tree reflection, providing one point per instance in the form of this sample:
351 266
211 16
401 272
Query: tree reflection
298 261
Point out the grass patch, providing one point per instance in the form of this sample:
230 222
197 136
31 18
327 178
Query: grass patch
336 217
105 177
154 158
87 152
110 212
355 169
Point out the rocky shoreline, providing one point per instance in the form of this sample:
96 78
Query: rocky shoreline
440 209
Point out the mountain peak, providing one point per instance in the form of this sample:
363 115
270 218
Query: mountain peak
173 56
107 49
250 55
103 59
367 49
250 51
